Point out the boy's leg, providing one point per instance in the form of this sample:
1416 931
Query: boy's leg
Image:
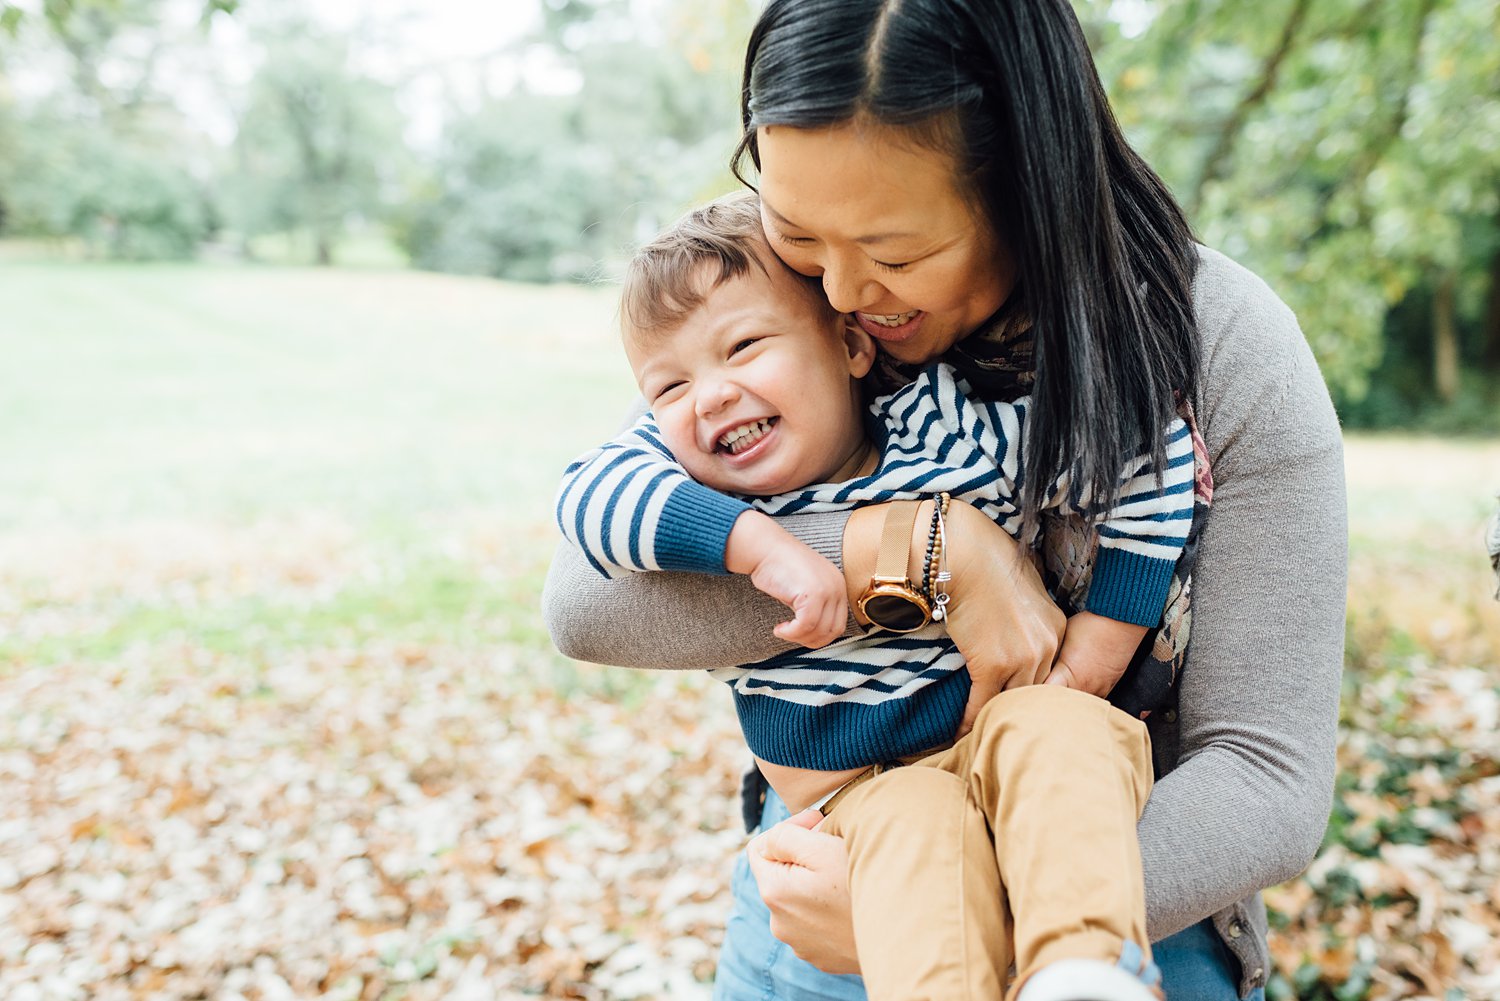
929 915
1062 777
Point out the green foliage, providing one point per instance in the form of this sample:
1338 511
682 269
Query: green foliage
542 187
63 179
520 196
318 143
1347 152
104 160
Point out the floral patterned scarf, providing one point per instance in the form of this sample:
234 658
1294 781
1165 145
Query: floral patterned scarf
997 362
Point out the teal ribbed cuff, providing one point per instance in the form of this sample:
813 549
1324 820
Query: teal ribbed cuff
694 528
1129 587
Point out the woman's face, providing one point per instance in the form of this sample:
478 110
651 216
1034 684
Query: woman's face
885 223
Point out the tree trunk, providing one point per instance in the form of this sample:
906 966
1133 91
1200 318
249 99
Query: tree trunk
1445 340
325 250
1491 332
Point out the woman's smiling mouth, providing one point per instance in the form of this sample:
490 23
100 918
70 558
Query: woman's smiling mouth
890 326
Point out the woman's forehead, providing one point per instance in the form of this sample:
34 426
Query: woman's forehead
868 184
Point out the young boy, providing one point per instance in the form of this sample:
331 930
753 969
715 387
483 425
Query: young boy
753 384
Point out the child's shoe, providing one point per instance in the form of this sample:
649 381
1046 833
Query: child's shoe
1086 980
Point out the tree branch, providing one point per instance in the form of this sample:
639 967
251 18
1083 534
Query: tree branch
1229 132
1369 157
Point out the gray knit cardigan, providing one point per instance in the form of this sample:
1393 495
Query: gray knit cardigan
1250 739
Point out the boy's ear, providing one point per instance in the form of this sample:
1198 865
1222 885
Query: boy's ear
861 348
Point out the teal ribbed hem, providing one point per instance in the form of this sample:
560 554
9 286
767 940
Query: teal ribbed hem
848 734
693 530
1129 587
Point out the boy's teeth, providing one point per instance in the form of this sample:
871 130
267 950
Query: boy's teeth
745 435
892 319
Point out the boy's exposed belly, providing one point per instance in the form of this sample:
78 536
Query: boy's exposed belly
800 788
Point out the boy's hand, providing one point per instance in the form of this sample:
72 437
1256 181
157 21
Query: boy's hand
1095 653
790 571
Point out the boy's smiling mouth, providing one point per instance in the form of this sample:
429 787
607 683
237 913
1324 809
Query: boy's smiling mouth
744 437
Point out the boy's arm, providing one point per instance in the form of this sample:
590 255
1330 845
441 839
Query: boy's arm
794 574
1140 541
1142 536
628 505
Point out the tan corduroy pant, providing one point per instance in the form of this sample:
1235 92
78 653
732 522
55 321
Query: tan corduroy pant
1017 844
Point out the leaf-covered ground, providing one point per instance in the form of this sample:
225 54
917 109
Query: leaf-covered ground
278 720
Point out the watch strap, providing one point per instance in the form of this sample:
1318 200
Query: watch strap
895 541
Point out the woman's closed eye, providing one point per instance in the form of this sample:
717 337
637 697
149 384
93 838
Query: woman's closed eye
796 241
891 267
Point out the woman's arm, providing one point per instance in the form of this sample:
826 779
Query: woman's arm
673 620
1258 707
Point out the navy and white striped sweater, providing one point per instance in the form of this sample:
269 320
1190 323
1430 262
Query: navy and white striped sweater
629 506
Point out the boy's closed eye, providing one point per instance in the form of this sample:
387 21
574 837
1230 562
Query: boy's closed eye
667 390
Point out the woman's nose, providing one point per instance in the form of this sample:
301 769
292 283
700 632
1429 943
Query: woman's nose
848 289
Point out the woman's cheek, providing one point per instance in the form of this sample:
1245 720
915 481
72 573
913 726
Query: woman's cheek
801 261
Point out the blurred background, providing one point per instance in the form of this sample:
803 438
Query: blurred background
303 306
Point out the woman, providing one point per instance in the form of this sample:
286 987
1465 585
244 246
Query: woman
953 173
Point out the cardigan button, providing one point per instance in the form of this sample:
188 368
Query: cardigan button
1255 977
1170 716
1235 930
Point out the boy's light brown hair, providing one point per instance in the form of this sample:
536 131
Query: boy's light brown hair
669 277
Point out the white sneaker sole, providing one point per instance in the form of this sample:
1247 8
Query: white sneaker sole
1084 980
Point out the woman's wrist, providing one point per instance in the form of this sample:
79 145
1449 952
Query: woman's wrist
862 534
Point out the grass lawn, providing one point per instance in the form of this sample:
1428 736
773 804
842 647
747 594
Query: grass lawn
287 519
381 447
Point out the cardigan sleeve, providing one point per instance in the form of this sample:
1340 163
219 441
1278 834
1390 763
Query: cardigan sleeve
674 620
1257 713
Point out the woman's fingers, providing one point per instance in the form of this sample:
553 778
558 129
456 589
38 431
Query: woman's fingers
803 876
1000 616
808 819
1062 674
794 841
980 693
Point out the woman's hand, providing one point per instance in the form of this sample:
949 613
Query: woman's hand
999 615
803 877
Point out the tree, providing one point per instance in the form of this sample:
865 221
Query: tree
1347 151
103 157
543 187
318 143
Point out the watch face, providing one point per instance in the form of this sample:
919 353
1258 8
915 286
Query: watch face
895 612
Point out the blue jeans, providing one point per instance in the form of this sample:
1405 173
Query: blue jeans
755 966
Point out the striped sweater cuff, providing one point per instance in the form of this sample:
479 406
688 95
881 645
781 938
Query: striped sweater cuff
694 529
1129 587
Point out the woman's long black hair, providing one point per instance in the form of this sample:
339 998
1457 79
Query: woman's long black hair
1104 256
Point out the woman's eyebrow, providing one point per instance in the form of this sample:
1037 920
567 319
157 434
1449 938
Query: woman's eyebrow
862 240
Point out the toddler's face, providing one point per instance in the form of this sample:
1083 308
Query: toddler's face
755 392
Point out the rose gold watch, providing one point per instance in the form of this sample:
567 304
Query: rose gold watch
890 601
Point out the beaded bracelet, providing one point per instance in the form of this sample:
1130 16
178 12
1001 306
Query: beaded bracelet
938 595
936 544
